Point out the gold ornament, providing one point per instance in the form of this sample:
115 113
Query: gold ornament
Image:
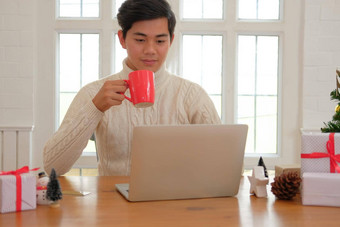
337 109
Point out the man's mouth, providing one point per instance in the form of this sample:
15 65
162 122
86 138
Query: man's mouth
149 61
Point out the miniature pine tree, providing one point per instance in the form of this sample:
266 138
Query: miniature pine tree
53 188
334 125
261 163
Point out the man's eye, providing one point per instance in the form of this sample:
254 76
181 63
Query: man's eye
140 40
160 41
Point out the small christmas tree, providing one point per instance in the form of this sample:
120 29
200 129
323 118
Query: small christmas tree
53 193
334 125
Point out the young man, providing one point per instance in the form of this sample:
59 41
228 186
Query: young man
147 33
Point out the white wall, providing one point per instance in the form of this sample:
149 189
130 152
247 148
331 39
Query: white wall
22 66
321 58
17 61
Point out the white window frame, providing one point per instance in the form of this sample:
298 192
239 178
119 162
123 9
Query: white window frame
288 29
280 35
230 28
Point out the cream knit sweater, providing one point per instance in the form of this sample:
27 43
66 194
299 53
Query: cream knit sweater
177 101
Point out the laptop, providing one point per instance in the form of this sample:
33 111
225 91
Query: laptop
185 162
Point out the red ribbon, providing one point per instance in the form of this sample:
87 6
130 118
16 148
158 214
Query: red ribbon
334 167
17 173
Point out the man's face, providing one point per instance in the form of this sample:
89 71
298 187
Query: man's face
147 44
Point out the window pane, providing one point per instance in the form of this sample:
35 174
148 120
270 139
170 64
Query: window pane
246 113
202 63
91 147
120 55
90 58
69 8
79 60
192 57
212 64
257 91
267 63
246 107
90 8
69 67
268 9
203 9
246 58
247 9
65 101
266 122
250 145
78 8
259 9
192 8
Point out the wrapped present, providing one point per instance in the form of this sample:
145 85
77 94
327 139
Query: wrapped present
17 190
320 152
321 189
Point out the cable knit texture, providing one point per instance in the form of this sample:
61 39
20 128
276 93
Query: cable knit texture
177 101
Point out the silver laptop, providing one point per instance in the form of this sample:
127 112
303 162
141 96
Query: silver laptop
186 161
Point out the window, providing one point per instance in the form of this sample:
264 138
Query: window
202 63
202 9
258 91
256 74
78 8
259 9
236 49
78 66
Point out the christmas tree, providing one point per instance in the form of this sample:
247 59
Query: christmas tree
334 125
53 188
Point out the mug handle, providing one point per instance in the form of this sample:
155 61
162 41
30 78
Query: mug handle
128 98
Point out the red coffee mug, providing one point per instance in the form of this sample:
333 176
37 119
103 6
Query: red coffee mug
142 88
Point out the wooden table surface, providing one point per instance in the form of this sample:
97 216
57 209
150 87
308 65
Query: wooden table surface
104 206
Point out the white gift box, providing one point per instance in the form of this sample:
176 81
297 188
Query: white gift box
316 142
8 192
321 189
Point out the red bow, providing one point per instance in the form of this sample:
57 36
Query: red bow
24 169
17 173
334 167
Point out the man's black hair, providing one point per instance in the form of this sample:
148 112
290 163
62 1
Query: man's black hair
132 11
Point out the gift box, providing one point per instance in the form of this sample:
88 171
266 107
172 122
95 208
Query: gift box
17 191
321 189
320 152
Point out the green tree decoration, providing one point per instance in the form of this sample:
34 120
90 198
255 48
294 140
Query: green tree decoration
53 192
261 163
334 124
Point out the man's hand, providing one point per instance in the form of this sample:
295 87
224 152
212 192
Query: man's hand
111 94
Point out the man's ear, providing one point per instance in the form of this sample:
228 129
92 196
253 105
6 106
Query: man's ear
172 38
121 39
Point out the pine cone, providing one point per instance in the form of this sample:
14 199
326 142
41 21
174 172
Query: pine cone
286 185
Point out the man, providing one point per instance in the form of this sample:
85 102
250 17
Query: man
100 107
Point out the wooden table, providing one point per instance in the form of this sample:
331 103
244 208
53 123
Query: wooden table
106 207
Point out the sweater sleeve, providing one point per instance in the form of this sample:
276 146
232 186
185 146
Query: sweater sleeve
200 108
66 145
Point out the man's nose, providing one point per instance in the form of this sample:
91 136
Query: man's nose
150 47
